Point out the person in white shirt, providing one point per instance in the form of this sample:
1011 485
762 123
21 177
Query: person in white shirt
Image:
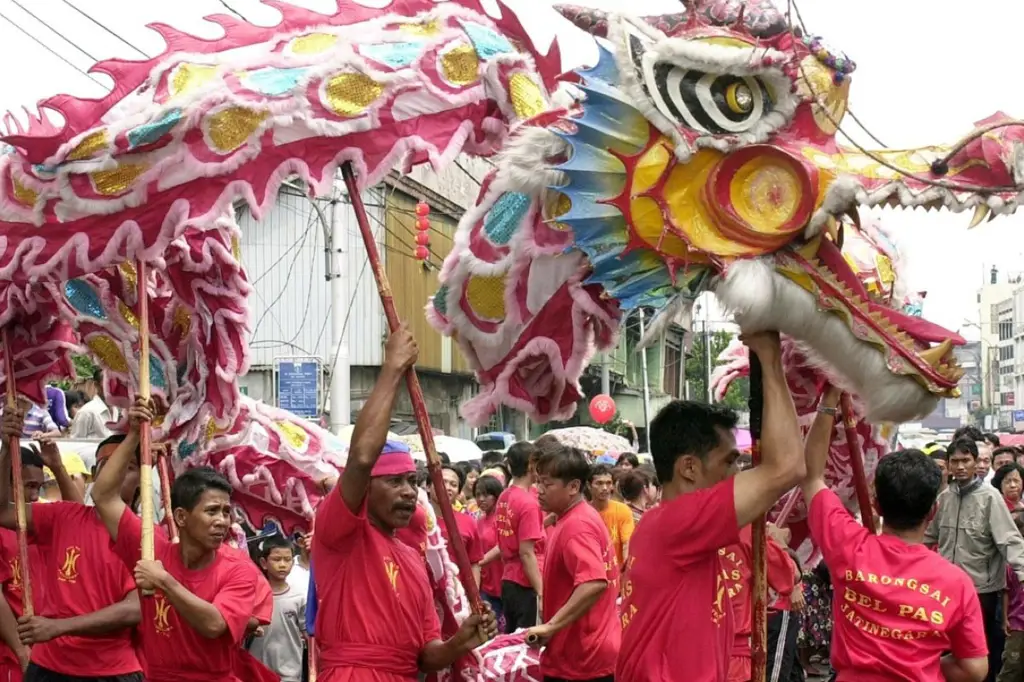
298 577
90 421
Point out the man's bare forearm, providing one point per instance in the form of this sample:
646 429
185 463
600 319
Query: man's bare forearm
782 447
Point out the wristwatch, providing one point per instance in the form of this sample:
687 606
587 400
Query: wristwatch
831 411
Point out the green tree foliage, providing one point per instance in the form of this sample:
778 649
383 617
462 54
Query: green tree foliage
696 370
84 367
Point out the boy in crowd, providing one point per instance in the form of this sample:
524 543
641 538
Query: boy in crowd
376 618
204 591
283 642
676 616
617 517
901 607
582 632
87 604
520 525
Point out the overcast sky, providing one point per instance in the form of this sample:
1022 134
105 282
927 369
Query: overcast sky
924 76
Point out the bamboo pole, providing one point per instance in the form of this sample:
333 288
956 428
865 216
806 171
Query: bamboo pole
146 468
14 447
419 406
860 479
165 492
759 612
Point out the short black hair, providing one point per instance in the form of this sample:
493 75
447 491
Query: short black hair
991 438
445 459
458 472
73 398
275 541
1005 450
491 458
632 485
628 457
188 488
487 485
939 453
599 470
965 445
117 439
971 432
30 457
422 474
567 465
906 486
547 443
685 427
1004 471
518 458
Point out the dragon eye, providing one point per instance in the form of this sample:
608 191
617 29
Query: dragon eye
719 104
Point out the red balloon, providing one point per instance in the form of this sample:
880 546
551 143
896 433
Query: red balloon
422 253
602 408
422 209
423 224
422 238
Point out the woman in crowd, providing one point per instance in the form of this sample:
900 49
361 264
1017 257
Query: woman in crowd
633 487
1009 480
486 491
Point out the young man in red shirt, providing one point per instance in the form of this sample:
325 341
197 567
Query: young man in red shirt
520 524
87 607
899 607
676 616
376 620
205 591
582 631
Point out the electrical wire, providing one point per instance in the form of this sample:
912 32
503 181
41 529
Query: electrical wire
104 27
53 30
233 11
468 174
287 279
52 51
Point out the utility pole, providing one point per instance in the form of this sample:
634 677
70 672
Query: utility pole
341 409
707 360
647 390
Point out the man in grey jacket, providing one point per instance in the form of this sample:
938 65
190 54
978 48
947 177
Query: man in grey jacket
974 530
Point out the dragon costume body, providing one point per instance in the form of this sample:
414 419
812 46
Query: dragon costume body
697 154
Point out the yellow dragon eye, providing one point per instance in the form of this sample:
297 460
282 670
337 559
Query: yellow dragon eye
739 98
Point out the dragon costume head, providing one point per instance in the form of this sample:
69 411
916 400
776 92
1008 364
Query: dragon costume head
700 154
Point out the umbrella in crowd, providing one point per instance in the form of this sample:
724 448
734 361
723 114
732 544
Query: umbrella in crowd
596 441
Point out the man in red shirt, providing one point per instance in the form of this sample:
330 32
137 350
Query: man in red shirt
453 483
899 607
738 571
376 620
520 524
676 617
582 631
192 626
87 607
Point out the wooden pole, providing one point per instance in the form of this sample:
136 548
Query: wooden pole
419 406
759 612
14 447
165 492
782 520
146 468
860 479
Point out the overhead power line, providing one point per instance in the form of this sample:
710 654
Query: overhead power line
105 27
53 30
233 11
52 51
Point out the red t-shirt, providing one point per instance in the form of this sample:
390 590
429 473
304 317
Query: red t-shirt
81 575
10 576
490 574
519 519
581 551
470 538
376 609
676 616
172 650
897 607
415 534
738 566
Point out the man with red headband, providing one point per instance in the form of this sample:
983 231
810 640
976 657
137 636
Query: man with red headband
376 620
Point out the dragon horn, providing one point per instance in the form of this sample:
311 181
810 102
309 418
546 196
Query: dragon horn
593 21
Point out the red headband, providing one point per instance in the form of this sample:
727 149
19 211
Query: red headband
394 464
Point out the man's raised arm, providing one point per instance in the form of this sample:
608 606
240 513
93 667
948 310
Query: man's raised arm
819 438
106 491
782 452
371 429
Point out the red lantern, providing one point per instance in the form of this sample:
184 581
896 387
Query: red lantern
422 238
422 209
422 253
423 224
602 408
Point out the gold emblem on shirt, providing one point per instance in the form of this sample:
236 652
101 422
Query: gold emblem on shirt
68 572
16 573
391 570
162 617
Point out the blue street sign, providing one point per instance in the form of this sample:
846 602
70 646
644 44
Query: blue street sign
1018 415
298 387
